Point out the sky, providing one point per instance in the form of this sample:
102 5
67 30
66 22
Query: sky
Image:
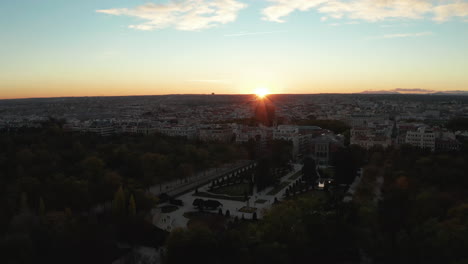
53 48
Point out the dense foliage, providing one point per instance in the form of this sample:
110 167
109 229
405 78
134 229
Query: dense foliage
422 216
411 206
52 184
297 231
456 124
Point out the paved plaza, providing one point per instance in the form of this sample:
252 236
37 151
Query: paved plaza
176 219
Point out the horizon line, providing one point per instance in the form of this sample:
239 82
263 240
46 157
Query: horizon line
367 92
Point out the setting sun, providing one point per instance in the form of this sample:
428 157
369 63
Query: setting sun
261 92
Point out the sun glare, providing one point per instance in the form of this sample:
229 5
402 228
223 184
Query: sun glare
261 92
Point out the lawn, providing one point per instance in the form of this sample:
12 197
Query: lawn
234 190
168 209
308 194
214 222
278 188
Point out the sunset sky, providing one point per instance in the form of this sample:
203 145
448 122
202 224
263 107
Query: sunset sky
54 48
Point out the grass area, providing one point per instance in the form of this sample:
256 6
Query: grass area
169 209
308 194
295 175
214 222
261 201
278 188
249 210
234 190
220 196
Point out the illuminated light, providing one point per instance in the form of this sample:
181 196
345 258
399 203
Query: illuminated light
261 92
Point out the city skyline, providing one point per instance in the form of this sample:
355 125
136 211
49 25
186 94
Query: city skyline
113 48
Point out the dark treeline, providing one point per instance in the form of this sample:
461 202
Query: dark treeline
411 207
50 180
422 216
78 171
308 229
456 124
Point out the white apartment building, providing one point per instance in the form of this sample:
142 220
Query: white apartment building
368 137
245 133
324 145
291 133
215 133
102 128
424 137
178 131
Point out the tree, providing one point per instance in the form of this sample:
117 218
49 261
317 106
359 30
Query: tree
41 207
347 162
24 206
93 168
309 170
195 245
131 206
152 164
185 170
68 213
118 205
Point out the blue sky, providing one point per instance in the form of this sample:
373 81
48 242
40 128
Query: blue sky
75 48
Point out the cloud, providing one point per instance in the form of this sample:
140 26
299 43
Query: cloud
393 25
282 8
241 34
446 12
376 10
189 15
370 10
406 35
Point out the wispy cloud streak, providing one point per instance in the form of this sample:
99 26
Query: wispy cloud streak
407 35
241 34
370 10
189 15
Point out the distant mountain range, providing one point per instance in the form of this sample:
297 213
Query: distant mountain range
452 93
416 91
